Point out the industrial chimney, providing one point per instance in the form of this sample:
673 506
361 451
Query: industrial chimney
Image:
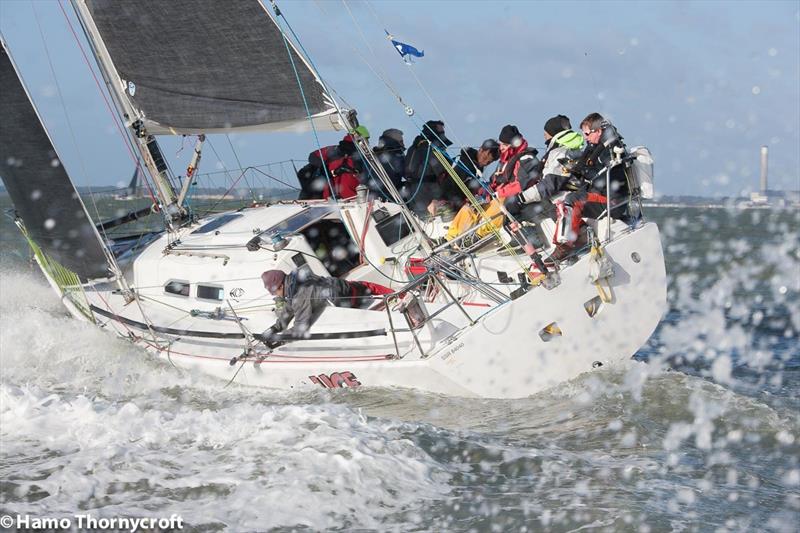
764 154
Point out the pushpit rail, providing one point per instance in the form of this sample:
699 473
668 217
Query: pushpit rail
438 268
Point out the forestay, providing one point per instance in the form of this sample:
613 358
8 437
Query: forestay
43 195
194 66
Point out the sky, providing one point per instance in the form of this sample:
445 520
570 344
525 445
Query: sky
703 84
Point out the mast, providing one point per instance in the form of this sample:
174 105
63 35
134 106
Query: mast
146 144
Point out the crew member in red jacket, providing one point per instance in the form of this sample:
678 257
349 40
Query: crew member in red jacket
344 171
519 166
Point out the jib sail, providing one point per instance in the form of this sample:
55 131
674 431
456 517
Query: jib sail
42 192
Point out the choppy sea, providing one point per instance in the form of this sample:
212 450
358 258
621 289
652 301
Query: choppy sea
700 432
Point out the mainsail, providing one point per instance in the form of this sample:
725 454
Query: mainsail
43 195
204 66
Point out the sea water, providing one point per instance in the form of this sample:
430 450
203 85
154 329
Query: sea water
701 432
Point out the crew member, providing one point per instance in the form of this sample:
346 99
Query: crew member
423 172
519 166
592 199
390 153
302 296
339 163
470 166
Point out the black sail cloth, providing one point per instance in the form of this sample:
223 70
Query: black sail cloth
43 195
192 66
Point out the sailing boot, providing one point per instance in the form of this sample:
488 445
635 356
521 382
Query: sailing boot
567 249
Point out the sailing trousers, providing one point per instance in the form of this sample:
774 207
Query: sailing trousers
575 207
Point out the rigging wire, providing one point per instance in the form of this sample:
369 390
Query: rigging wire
279 15
225 167
64 110
414 75
114 116
379 72
238 162
107 252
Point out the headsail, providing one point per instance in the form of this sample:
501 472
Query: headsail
43 195
132 190
204 66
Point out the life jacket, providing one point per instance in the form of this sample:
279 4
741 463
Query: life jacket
344 178
506 179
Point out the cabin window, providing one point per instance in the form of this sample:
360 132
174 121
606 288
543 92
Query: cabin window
217 223
391 228
210 292
179 288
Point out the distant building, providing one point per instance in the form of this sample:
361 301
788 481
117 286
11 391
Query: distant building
766 197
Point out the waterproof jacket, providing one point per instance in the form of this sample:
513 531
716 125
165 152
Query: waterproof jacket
468 169
594 159
519 168
312 177
345 178
565 147
420 163
424 174
306 296
390 154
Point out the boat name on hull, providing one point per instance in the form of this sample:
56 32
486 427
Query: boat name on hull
336 380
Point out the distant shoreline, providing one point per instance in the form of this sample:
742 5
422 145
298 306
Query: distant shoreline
741 205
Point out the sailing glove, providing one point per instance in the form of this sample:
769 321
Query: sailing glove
529 195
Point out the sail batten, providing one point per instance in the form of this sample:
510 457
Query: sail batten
204 66
44 197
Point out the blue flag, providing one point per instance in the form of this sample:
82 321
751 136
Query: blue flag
405 50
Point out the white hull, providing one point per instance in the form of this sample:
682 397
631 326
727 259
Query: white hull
505 354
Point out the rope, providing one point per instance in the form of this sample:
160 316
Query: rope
482 213
421 176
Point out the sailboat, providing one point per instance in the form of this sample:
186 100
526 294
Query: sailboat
475 317
131 192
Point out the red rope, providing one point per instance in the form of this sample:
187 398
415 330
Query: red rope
114 117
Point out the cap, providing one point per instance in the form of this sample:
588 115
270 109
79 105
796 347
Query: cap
273 279
393 134
433 130
509 134
557 124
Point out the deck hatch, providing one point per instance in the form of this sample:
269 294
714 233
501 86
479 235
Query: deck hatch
217 223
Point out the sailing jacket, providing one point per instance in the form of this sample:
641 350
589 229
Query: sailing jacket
470 172
344 177
519 169
306 295
390 154
421 164
556 176
594 159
